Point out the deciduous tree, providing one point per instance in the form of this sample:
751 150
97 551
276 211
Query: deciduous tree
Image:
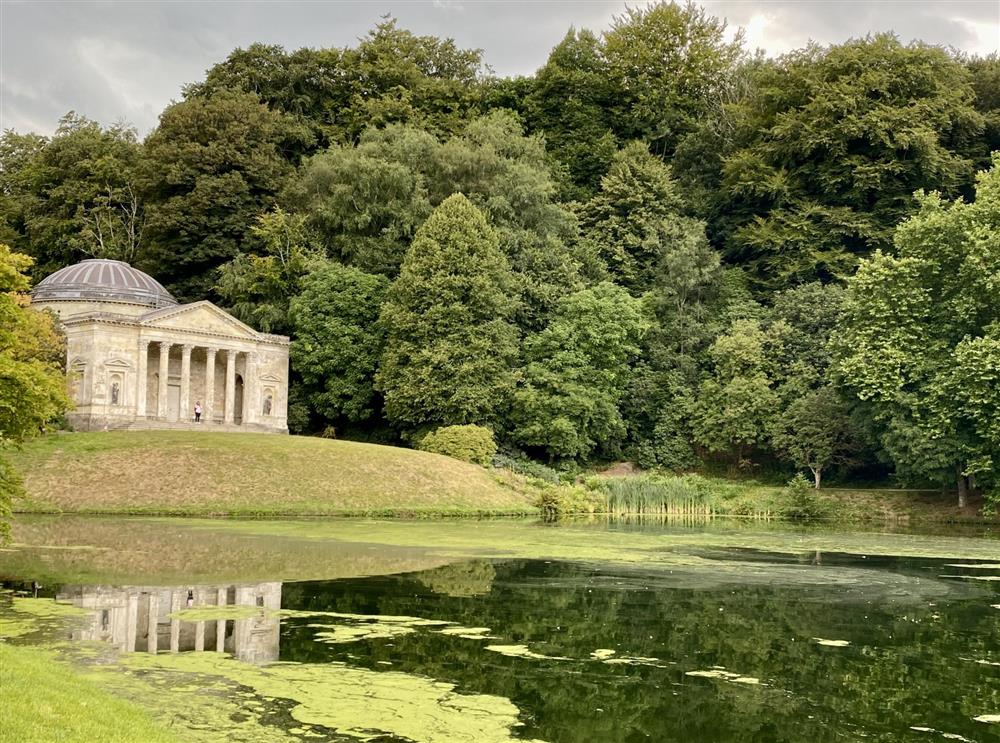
577 369
338 341
210 168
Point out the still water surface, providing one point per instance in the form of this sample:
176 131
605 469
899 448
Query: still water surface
497 631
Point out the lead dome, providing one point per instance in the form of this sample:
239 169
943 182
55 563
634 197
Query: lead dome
103 280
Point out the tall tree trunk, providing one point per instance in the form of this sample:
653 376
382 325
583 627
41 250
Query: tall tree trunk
963 486
817 475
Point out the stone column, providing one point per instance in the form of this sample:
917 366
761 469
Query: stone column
140 379
208 405
185 412
251 389
161 402
175 624
131 622
230 385
220 625
152 639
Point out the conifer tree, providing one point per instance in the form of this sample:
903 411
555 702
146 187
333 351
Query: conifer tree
451 346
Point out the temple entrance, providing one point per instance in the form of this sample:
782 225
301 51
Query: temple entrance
173 402
238 401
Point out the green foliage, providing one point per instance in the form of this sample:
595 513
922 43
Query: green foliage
524 466
816 431
669 495
392 76
73 195
802 503
571 100
670 64
338 341
32 386
576 372
450 345
258 287
469 443
735 405
909 318
633 222
210 168
368 201
554 500
832 143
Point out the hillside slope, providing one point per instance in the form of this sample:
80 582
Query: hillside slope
198 473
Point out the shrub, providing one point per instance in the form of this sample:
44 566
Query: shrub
555 500
802 501
468 443
527 467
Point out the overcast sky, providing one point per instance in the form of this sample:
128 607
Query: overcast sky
127 60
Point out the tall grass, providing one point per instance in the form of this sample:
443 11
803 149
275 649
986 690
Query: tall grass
684 496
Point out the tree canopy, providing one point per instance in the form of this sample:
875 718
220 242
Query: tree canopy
659 246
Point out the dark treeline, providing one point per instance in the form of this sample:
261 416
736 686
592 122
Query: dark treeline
660 246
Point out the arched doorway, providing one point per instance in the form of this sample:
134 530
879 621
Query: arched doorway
238 401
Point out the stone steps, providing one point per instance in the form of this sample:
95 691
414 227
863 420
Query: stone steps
155 425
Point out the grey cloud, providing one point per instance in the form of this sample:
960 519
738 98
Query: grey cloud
114 60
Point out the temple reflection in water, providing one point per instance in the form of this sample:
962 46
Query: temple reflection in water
138 618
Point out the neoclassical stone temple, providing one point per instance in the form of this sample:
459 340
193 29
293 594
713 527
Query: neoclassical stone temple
138 359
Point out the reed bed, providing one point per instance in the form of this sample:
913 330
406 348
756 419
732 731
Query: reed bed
680 496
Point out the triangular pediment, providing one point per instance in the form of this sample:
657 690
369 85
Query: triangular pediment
270 378
118 363
202 317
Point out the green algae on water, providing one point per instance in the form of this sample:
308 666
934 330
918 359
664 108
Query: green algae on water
637 660
336 634
220 612
358 702
723 675
522 651
26 615
468 633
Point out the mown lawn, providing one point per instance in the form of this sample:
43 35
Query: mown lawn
196 473
43 700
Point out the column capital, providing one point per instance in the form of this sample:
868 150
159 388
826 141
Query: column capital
231 352
166 344
144 342
188 347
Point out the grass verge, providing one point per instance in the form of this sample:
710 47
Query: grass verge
43 700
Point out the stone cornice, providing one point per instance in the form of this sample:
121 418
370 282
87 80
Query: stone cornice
108 318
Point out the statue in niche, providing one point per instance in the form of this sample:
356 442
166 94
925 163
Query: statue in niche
115 392
75 382
267 404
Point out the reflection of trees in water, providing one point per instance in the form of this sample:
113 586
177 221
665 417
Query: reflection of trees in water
902 668
471 578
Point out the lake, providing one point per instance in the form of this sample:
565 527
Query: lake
455 631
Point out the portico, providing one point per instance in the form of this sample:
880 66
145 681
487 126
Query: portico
137 363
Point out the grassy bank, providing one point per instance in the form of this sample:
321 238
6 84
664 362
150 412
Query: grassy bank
193 473
42 700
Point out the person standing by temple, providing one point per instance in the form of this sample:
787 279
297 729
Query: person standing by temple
197 411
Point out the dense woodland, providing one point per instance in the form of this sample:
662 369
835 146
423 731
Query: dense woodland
660 247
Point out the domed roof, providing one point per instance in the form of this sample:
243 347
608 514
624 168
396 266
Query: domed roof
100 279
